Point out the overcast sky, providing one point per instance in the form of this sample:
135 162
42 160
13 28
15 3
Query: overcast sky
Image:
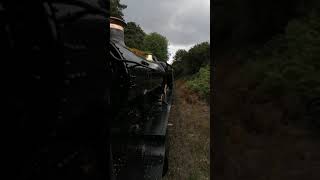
183 22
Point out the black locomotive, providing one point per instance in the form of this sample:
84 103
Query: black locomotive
142 96
65 95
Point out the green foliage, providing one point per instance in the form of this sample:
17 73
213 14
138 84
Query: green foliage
157 44
153 43
178 68
116 8
194 63
200 82
190 62
288 65
178 62
134 36
197 56
180 54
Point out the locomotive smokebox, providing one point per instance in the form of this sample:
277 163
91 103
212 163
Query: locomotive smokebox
117 26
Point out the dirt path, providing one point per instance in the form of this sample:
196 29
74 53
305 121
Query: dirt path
189 136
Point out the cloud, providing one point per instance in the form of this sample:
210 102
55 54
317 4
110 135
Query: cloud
183 22
174 48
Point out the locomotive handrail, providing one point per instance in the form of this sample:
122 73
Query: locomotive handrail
128 61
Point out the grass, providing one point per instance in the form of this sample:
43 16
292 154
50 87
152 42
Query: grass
189 136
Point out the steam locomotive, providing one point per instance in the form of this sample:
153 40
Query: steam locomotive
72 109
144 97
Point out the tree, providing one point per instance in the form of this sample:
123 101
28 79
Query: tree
116 8
178 64
178 67
189 62
157 44
197 57
180 54
134 36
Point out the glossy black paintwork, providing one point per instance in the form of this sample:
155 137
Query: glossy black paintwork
140 129
145 76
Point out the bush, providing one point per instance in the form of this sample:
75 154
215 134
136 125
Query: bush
289 64
200 82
